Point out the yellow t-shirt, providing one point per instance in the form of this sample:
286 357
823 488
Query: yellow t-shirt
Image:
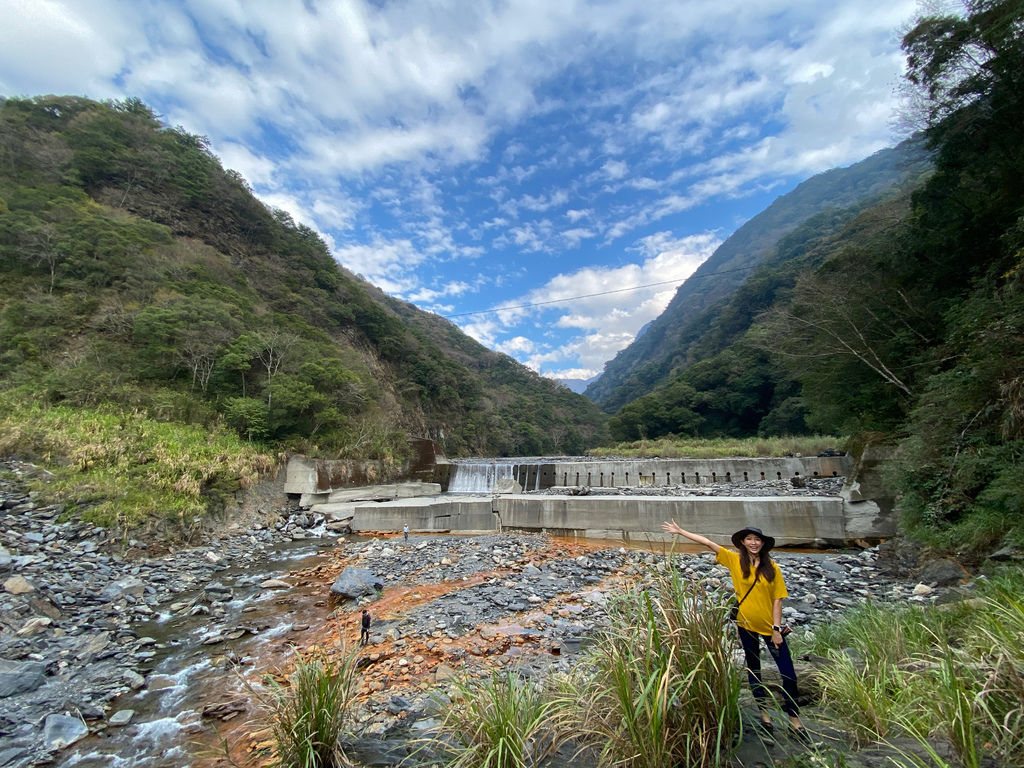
756 610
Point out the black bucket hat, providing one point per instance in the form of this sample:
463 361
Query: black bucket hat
737 538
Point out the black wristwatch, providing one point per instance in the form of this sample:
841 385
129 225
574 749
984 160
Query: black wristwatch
776 628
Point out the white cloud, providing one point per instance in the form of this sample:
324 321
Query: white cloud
388 264
610 304
258 170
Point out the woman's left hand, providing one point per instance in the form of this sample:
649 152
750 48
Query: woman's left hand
776 638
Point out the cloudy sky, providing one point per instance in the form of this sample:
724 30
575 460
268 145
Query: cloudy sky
571 160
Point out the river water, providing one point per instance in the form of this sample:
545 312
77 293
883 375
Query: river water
201 659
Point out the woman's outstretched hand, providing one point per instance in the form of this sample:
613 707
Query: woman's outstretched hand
673 527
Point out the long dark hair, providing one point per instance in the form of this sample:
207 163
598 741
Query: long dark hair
764 567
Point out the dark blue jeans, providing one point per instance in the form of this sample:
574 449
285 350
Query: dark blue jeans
751 642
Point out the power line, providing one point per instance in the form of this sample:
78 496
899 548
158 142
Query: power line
592 295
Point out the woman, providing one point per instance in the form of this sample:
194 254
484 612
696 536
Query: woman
759 587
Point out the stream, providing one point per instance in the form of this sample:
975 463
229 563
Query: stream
198 658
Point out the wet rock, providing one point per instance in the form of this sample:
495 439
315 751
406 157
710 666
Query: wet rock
356 582
121 717
59 731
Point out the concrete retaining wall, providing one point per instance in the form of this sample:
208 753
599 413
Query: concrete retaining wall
793 520
456 513
809 521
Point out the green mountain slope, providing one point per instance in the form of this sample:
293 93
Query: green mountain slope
665 345
139 273
899 320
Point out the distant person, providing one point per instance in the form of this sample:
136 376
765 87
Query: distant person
405 531
364 631
759 587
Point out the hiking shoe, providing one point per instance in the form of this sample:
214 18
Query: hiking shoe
765 732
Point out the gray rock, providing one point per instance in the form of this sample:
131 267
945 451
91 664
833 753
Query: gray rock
133 679
5 562
1004 554
20 676
123 717
943 572
14 756
129 585
356 582
61 730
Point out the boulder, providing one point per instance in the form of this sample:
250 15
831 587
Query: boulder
943 572
507 485
61 730
356 582
20 676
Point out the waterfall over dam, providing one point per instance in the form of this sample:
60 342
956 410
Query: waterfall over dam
482 476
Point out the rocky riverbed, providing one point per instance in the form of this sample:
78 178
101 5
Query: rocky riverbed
90 624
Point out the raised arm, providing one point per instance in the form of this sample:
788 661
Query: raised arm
673 527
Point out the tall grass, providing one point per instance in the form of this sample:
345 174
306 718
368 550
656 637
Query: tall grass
662 689
719 448
954 673
872 697
309 714
126 469
500 722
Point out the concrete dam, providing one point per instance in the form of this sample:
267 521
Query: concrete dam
625 500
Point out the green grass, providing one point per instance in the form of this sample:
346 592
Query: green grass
661 689
125 469
500 722
720 448
954 672
308 716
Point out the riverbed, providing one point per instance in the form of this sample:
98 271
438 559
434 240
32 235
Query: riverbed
160 658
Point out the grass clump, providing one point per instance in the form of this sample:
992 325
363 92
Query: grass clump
308 715
125 469
500 722
662 690
953 673
722 448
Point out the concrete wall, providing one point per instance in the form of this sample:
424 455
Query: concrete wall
458 513
810 521
640 472
792 520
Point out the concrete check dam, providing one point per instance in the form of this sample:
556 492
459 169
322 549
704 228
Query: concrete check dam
816 501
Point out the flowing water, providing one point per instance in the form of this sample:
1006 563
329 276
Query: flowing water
187 675
476 477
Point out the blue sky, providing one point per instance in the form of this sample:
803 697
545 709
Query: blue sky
470 155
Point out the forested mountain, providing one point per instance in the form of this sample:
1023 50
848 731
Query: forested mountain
665 345
903 319
138 272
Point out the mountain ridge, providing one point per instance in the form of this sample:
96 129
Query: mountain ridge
658 351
